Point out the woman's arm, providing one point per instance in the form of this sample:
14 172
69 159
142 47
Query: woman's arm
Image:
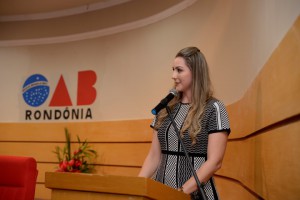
153 158
215 153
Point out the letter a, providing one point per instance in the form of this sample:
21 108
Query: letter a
61 95
86 93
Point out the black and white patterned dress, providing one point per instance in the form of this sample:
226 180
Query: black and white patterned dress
173 169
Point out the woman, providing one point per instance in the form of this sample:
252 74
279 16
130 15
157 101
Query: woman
204 127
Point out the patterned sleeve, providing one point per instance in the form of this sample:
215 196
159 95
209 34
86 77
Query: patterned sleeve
218 120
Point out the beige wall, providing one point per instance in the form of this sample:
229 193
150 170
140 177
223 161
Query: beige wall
133 67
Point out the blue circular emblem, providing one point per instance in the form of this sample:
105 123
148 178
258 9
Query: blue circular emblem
36 90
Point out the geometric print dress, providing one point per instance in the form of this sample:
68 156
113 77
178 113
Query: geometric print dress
173 169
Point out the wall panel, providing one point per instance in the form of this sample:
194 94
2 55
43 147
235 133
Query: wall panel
121 131
263 147
233 190
128 154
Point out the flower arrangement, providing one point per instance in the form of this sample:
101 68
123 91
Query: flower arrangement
78 161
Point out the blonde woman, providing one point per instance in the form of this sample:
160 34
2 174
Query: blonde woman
204 127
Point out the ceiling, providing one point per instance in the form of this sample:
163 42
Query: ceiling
21 7
18 10
51 21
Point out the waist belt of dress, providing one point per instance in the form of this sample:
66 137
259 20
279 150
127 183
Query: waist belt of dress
176 153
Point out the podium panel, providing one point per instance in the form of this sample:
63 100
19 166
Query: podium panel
73 186
81 195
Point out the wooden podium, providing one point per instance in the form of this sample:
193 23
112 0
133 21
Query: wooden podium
78 186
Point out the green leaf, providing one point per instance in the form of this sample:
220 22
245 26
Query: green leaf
68 143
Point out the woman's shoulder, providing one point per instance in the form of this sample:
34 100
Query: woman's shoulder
214 102
215 105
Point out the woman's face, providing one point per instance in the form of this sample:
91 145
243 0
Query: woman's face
182 75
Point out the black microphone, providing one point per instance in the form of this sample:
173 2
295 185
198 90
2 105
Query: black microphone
164 102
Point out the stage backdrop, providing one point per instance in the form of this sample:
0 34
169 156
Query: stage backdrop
122 76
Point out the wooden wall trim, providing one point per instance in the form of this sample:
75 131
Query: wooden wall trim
104 131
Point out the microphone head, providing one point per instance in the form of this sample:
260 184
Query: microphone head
174 92
164 102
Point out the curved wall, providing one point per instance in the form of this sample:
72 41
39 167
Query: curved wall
263 147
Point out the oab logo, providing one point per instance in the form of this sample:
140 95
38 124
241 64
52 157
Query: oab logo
36 90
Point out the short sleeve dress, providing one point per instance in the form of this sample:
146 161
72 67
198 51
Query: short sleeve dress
173 169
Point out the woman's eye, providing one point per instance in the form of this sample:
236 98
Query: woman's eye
177 69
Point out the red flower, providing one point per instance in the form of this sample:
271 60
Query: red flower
78 163
63 165
71 162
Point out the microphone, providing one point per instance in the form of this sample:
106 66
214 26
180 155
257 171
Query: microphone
164 102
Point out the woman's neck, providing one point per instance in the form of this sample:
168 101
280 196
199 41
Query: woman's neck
186 98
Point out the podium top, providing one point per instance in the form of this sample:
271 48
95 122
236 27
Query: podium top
121 185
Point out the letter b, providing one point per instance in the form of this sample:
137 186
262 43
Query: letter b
86 92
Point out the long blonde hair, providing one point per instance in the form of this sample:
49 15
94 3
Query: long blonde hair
201 92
